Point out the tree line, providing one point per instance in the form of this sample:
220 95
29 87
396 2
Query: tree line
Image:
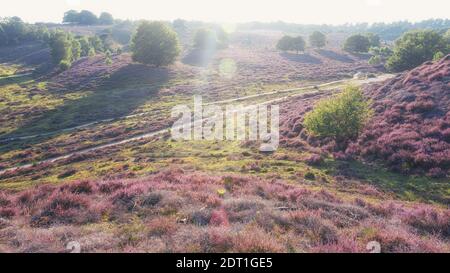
386 31
409 51
86 17
14 31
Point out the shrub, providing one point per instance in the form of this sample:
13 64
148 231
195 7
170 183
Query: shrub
155 43
63 208
374 39
357 43
414 48
317 39
284 44
341 117
288 43
375 60
438 55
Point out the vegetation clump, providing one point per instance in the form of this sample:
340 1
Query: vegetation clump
341 117
288 43
415 48
155 43
317 39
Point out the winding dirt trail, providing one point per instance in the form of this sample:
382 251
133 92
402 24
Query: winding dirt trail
334 85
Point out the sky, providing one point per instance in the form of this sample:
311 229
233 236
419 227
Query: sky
294 11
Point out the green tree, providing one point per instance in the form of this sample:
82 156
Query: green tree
357 43
87 18
375 60
76 50
155 43
61 47
285 43
71 17
317 39
96 43
374 39
341 117
414 48
298 44
85 46
106 19
108 59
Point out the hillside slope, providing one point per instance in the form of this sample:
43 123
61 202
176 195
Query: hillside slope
411 126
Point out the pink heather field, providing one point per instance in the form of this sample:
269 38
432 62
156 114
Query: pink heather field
353 155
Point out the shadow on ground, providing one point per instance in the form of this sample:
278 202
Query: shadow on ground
199 57
329 54
301 58
104 103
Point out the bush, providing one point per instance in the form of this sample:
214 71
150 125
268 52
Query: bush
317 39
155 43
105 19
357 43
341 117
288 43
439 55
284 44
375 60
374 39
415 48
61 47
64 65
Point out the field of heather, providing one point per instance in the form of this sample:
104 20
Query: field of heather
86 155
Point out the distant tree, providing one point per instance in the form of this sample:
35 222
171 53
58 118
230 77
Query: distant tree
155 43
107 40
357 43
72 17
87 18
285 43
123 31
341 117
15 30
106 19
108 59
317 39
414 48
374 40
61 47
76 50
96 43
85 46
298 44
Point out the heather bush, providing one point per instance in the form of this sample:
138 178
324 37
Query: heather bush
429 221
255 240
64 208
